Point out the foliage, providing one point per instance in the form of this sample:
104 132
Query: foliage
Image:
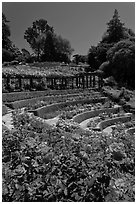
36 35
6 42
46 44
26 56
4 109
63 49
92 58
41 71
16 96
49 48
98 54
115 30
64 163
7 56
122 59
79 58
56 49
115 33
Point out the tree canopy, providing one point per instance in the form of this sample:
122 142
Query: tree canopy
6 42
36 35
46 44
115 30
122 59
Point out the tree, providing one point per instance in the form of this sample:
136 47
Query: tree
115 30
122 59
36 36
7 56
63 49
6 42
26 56
92 61
49 47
79 58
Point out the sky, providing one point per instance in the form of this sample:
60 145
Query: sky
82 23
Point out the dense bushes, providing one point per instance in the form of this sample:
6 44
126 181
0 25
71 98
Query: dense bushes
122 59
7 56
4 110
115 53
67 164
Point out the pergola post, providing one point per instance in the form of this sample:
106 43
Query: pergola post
72 80
52 82
66 83
19 82
86 81
62 83
31 83
8 83
76 81
93 80
83 81
90 80
100 82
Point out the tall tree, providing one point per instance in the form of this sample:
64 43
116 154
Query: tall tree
122 59
36 35
49 47
63 49
6 42
115 30
92 58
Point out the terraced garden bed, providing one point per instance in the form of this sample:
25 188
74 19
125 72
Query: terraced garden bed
63 162
108 119
34 103
106 108
57 108
11 97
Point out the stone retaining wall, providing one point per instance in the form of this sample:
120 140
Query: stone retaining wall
16 96
102 125
41 112
26 102
89 114
130 131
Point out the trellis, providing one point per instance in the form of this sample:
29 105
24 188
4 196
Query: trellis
83 80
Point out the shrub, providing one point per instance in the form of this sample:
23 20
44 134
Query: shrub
64 163
7 56
4 110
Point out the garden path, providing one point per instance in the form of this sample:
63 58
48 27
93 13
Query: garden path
52 121
7 120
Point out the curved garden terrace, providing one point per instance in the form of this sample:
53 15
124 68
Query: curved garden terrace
53 151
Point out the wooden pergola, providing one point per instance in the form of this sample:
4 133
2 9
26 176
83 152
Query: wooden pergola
81 80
